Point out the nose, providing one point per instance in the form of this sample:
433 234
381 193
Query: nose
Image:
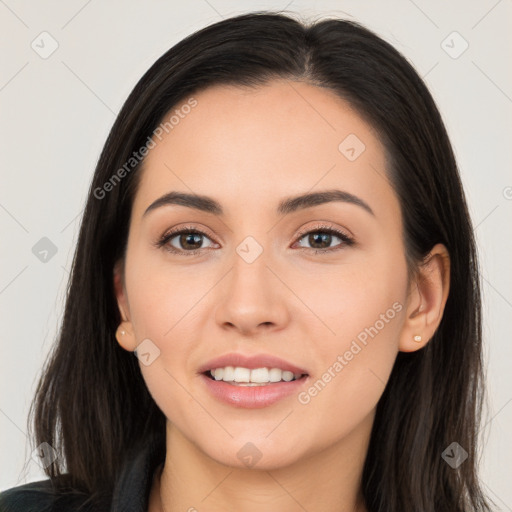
252 298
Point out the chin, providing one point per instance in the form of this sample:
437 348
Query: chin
261 455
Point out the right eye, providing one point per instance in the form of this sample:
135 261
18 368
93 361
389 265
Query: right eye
183 241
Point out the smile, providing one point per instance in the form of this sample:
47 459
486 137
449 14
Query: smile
252 377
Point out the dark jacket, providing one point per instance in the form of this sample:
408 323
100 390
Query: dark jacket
131 492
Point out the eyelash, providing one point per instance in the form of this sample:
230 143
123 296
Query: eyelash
168 236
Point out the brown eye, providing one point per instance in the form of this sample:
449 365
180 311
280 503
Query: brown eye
188 240
185 241
321 239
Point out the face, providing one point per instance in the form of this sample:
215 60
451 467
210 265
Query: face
317 287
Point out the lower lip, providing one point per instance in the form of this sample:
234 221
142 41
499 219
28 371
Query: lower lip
252 397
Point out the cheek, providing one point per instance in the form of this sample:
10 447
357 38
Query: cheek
161 307
161 294
162 310
361 300
362 307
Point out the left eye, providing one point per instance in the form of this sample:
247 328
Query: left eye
322 239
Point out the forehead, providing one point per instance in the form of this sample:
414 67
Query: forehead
254 144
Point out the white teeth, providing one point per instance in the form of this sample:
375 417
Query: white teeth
229 374
242 374
287 376
257 376
275 375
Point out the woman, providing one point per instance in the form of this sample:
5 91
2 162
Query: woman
277 230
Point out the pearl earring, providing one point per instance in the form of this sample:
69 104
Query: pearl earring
120 332
417 339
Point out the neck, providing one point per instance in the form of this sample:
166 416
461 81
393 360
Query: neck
329 480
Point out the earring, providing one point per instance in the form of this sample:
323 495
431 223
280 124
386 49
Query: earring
417 339
120 332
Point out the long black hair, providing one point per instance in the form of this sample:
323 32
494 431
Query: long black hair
92 404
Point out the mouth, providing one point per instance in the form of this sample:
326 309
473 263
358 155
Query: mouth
252 382
252 377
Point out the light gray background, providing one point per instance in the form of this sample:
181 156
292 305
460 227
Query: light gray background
56 114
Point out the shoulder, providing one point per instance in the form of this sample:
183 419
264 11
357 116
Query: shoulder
128 493
42 496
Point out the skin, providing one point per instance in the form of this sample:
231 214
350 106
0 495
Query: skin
249 149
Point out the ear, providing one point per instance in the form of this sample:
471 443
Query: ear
427 298
124 334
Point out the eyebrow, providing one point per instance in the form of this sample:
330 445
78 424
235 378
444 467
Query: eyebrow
285 207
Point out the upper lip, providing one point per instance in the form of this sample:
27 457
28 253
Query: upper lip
251 362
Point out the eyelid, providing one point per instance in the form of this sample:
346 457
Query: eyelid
180 228
327 227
